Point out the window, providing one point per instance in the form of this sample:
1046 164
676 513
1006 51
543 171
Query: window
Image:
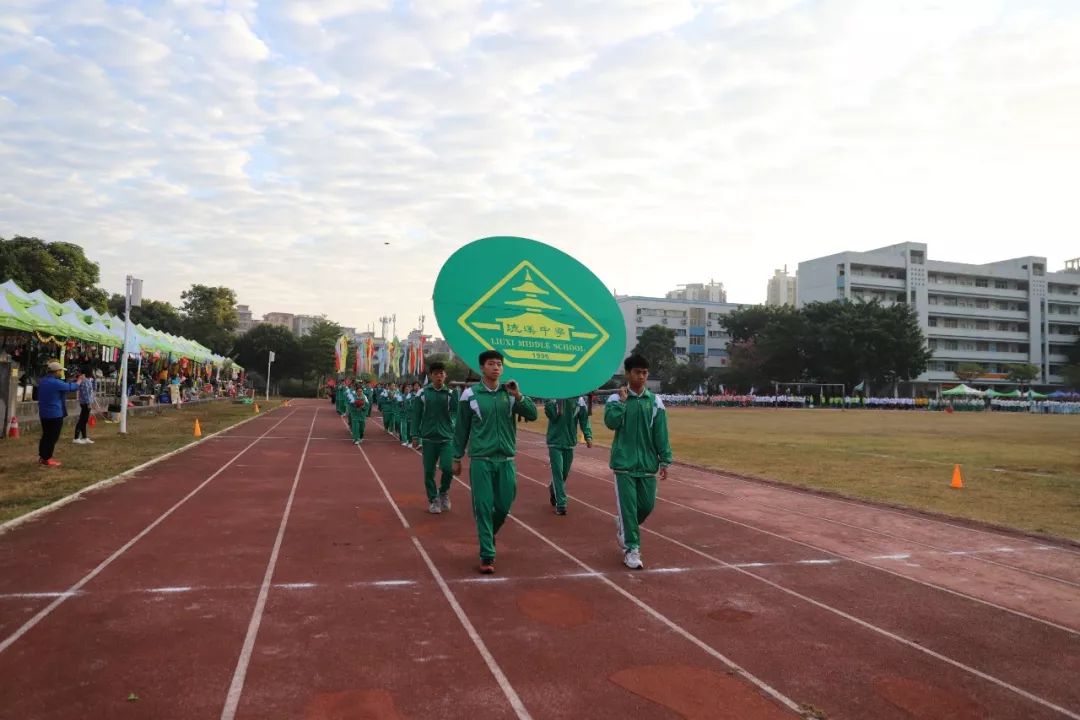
950 345
679 332
697 340
981 282
680 350
1001 284
716 333
931 322
982 324
951 323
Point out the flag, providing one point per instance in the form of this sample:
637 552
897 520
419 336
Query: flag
271 356
356 362
341 354
859 387
420 357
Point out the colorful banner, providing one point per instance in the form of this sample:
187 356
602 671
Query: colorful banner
341 352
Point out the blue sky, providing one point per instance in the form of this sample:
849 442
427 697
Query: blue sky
277 147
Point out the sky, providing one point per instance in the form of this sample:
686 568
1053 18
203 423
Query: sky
329 156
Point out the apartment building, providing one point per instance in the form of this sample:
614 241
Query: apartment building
245 320
997 314
711 291
699 337
783 289
284 320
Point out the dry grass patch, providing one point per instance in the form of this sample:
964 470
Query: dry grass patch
26 486
1020 470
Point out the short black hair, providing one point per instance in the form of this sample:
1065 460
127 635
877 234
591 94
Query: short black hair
490 355
437 366
636 362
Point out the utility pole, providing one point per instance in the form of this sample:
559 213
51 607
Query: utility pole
132 298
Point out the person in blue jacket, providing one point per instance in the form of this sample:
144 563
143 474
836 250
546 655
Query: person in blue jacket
52 409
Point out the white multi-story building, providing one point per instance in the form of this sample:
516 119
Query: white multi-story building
280 319
302 324
995 315
244 318
699 335
783 289
711 291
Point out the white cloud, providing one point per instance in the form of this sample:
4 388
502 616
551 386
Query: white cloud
275 148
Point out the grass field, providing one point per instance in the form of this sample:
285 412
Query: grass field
26 486
1020 470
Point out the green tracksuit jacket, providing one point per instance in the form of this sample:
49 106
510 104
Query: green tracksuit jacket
433 413
485 422
564 419
641 442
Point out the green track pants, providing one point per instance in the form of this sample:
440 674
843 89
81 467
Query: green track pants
635 496
438 453
403 428
494 485
561 460
357 423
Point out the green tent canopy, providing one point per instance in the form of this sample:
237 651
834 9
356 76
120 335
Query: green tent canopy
962 391
13 313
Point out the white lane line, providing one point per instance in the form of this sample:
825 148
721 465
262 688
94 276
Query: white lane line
827 561
47 610
500 677
847 616
37 595
897 556
296 586
180 589
392 583
878 568
236 689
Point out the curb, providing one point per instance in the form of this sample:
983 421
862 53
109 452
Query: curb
77 495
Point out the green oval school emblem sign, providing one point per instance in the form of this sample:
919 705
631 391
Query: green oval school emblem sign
558 327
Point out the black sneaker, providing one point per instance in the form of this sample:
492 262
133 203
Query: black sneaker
551 493
560 511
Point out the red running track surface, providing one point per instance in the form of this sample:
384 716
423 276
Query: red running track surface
277 571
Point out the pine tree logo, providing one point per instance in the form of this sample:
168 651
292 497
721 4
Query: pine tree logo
533 323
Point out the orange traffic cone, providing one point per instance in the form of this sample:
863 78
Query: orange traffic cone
957 478
256 408
13 428
198 429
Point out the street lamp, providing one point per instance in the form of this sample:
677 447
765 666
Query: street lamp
132 298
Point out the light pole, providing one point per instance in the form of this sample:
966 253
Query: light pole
268 375
132 298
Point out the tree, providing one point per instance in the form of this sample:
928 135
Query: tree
1071 374
684 378
210 316
969 371
657 345
61 270
317 348
150 313
1023 373
252 350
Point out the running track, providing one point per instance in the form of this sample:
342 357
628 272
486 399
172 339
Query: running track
277 571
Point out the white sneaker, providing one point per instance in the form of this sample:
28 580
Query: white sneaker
88 441
78 441
404 444
444 501
632 559
434 508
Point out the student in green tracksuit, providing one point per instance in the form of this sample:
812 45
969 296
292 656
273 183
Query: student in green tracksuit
433 413
564 417
404 414
340 405
389 409
640 453
357 405
486 426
